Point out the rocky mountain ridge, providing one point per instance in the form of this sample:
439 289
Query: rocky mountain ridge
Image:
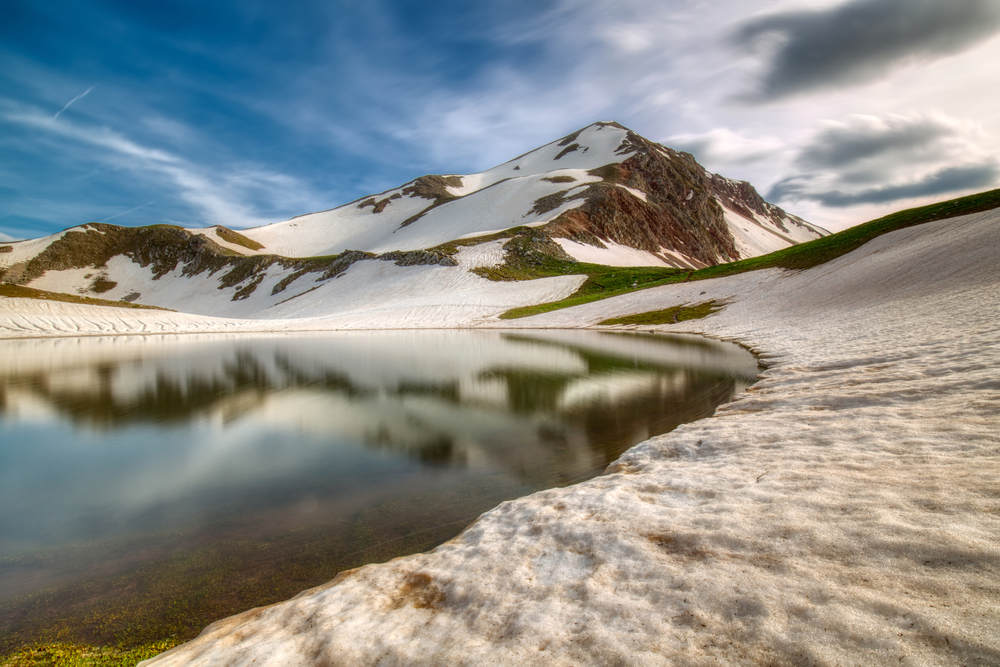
601 195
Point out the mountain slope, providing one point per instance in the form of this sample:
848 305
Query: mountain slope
601 186
602 195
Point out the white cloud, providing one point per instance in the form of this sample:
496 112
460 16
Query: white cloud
721 147
887 159
628 38
66 106
221 197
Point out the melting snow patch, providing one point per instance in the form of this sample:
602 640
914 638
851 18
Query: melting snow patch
843 511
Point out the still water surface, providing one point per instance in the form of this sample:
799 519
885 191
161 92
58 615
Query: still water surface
149 485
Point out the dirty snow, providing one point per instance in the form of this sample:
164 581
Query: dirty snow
844 510
614 254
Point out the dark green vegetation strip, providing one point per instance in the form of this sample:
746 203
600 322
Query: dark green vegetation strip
802 256
668 315
236 238
81 655
18 291
602 282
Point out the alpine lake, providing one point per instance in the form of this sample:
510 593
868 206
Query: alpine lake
150 485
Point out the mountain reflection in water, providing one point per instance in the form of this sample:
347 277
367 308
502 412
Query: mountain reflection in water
222 438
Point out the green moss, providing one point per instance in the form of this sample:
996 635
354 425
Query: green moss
451 247
602 282
570 138
20 292
798 257
236 238
548 203
609 173
569 149
668 315
102 285
82 655
431 187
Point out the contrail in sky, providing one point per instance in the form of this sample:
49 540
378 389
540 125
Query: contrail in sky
128 211
83 94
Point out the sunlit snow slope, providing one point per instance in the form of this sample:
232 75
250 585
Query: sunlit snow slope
434 209
602 195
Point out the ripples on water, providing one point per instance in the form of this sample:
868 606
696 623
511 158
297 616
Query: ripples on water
150 485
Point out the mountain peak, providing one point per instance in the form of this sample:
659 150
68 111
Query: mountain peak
602 194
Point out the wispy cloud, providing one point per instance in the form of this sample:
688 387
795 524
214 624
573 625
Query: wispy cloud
944 181
219 197
243 113
78 97
136 208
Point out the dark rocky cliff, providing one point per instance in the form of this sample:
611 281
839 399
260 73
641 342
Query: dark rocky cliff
680 212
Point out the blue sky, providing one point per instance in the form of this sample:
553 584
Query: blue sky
245 113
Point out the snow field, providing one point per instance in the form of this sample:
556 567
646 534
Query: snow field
845 510
614 254
490 201
371 294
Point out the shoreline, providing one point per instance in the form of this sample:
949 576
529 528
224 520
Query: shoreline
842 510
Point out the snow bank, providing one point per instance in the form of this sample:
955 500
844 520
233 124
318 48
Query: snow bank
845 510
612 254
371 294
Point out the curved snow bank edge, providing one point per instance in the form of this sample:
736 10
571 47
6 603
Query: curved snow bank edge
844 510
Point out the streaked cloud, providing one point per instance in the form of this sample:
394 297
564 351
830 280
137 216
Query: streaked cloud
880 160
946 181
844 145
244 113
221 197
860 41
66 106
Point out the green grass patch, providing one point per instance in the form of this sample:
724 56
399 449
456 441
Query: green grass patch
798 257
236 238
559 179
20 292
820 251
102 285
602 282
668 315
82 655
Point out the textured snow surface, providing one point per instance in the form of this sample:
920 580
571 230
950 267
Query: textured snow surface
371 294
845 510
490 201
759 236
613 254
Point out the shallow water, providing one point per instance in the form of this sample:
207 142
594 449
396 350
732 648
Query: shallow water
149 485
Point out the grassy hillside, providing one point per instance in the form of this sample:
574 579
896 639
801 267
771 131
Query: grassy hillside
604 282
21 292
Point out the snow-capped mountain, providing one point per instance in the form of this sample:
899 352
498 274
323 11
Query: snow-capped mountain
604 188
602 195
